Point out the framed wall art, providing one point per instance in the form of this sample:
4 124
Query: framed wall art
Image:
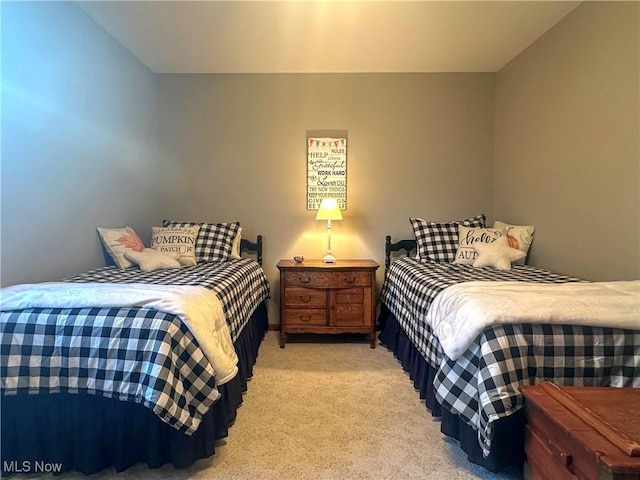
326 170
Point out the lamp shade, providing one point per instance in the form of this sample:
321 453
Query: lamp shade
329 210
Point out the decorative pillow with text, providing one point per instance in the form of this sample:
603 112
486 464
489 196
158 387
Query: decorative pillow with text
180 240
468 237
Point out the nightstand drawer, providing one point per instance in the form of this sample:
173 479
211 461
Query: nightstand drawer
322 279
305 316
305 298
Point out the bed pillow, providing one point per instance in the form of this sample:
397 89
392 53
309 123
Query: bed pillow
235 248
469 236
437 241
117 241
520 236
151 259
181 240
497 254
215 240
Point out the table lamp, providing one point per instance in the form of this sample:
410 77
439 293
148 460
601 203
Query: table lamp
329 210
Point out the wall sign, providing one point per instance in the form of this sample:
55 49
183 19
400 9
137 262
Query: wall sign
326 171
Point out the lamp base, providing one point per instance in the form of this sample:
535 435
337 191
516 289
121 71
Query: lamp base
329 259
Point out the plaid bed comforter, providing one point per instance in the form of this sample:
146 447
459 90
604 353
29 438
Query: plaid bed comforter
482 385
240 284
132 354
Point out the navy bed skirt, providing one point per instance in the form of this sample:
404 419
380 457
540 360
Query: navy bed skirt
507 444
88 433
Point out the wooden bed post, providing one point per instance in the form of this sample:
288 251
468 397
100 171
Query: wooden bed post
250 246
407 245
259 249
387 252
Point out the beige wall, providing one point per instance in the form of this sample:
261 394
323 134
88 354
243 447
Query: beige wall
419 145
78 141
567 143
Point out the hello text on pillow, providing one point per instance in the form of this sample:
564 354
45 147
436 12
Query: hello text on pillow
468 237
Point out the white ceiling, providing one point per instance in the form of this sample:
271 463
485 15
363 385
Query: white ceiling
328 36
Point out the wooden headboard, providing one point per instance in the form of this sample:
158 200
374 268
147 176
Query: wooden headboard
409 246
255 247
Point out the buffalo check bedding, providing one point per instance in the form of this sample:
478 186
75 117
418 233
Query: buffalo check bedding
481 386
135 354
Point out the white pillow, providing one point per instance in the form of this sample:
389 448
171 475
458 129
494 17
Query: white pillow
235 248
150 259
469 236
117 241
181 240
520 236
497 254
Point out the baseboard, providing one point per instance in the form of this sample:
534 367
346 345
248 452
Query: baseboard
274 327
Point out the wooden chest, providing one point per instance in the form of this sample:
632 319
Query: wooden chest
582 432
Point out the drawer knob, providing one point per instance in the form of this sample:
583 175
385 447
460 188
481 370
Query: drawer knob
305 299
350 279
305 318
564 458
305 279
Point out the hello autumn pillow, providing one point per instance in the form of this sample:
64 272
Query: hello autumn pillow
118 241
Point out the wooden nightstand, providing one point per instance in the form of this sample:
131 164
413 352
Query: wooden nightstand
327 298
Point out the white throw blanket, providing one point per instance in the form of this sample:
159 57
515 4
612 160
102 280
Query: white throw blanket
461 312
198 307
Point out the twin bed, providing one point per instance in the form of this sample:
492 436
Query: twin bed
88 387
469 375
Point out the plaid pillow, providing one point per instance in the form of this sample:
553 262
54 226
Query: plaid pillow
438 242
214 241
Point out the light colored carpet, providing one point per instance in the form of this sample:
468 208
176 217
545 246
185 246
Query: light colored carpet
328 408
